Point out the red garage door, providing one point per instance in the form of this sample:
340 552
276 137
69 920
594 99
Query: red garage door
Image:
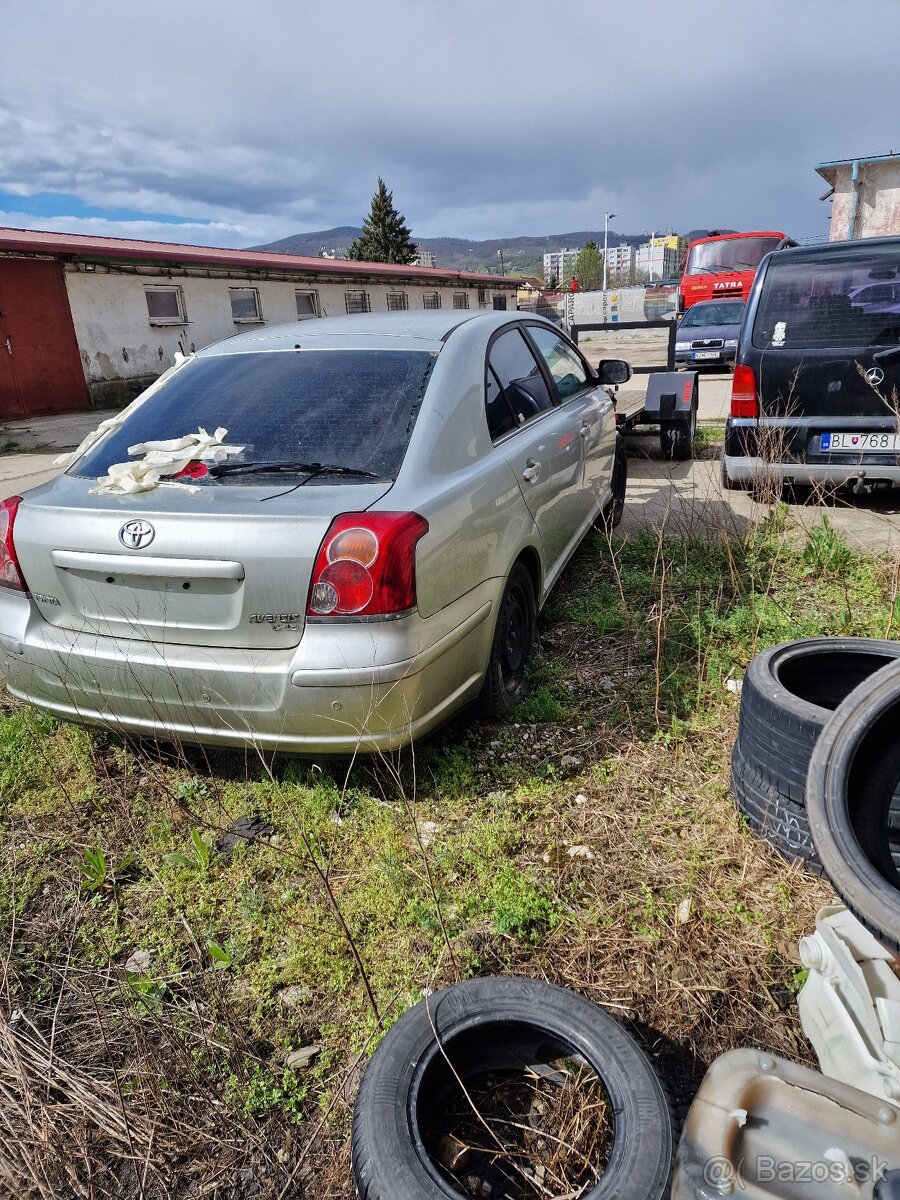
40 367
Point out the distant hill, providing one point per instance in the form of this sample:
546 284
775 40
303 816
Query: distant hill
521 255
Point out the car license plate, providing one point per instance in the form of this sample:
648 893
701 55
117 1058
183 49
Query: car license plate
889 442
706 354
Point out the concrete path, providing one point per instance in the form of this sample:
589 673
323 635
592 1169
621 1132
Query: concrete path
18 472
49 433
687 500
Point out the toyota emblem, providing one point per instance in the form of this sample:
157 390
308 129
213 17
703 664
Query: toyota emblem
134 535
875 376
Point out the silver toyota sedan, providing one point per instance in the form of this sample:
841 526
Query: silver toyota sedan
358 551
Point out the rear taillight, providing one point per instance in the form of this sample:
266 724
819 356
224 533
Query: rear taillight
366 566
744 400
10 572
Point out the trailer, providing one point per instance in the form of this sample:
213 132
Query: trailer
670 406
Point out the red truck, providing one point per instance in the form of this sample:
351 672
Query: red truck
723 265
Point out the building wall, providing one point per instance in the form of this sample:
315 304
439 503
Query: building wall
620 263
657 258
876 209
118 343
556 263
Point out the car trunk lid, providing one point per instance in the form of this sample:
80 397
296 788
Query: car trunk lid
826 335
226 566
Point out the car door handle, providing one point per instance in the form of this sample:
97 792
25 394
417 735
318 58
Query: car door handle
532 470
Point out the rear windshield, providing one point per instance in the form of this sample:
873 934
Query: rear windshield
847 299
350 408
726 313
731 254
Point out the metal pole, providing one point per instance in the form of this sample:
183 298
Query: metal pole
606 218
502 272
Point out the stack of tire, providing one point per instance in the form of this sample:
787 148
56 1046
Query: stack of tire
816 767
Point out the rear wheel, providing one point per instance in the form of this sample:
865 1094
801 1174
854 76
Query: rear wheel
514 637
615 508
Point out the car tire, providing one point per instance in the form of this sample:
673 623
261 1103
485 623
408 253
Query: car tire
676 438
486 1025
615 509
854 804
788 694
772 816
514 637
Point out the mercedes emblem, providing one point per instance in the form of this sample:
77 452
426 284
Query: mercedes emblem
134 535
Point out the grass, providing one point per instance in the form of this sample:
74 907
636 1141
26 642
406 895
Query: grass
588 839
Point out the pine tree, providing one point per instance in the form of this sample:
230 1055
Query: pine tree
385 235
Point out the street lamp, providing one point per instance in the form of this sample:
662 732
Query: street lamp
650 254
606 219
502 271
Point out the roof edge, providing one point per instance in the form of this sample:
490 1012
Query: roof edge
75 245
821 168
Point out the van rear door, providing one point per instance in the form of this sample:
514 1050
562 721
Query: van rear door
826 338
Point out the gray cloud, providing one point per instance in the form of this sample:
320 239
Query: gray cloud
486 118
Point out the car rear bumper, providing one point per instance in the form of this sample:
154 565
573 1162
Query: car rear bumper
345 689
787 450
687 358
746 469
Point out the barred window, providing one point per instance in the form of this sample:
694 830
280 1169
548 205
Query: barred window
397 301
357 302
460 299
482 295
432 300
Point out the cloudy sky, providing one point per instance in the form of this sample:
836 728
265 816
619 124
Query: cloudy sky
233 123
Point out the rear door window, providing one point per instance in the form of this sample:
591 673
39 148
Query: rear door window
837 299
352 408
565 366
516 390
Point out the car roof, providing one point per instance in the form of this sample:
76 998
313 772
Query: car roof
828 250
395 330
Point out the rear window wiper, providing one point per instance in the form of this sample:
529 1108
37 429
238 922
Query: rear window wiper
883 355
274 468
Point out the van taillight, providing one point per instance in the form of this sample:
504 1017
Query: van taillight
366 566
10 572
744 400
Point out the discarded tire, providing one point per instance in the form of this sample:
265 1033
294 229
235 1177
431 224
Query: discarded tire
854 804
788 694
778 819
437 1055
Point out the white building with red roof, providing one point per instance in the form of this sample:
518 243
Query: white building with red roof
93 320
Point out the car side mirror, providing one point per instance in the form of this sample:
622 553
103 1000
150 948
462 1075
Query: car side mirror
611 371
